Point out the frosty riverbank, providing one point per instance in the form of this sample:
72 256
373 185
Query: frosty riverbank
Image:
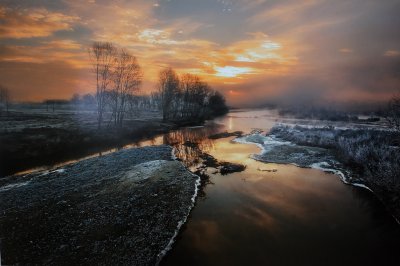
122 208
363 157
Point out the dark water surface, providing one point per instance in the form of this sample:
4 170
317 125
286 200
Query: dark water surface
293 216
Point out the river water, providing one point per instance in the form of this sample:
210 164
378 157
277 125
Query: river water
285 216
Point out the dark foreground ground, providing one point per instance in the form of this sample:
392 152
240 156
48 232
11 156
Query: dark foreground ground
118 209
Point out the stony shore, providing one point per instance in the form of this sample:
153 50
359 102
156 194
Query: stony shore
119 209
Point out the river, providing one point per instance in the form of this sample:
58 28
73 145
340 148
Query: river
273 214
285 216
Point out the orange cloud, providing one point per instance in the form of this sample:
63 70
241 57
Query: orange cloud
38 22
66 51
133 26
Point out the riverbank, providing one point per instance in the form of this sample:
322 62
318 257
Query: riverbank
122 208
39 138
367 158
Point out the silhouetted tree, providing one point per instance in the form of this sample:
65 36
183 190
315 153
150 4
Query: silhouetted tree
127 77
217 104
103 55
168 88
187 98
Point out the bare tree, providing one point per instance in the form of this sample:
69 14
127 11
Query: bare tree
187 98
4 98
393 112
189 83
127 77
168 87
103 59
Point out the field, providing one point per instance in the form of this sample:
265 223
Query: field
34 135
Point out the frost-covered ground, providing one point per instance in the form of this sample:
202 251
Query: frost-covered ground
124 208
37 137
20 119
276 150
367 157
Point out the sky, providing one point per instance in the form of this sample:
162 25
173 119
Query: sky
253 51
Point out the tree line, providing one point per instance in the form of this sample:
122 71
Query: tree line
119 77
187 97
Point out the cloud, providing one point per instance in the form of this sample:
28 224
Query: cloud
66 51
29 23
155 36
392 53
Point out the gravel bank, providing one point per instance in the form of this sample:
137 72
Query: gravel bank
119 209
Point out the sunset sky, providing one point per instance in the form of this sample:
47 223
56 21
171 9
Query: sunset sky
253 51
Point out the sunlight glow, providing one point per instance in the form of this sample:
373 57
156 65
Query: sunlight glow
230 71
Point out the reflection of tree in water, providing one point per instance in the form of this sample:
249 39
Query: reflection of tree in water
191 143
192 146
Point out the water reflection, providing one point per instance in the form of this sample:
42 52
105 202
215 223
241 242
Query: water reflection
190 143
293 216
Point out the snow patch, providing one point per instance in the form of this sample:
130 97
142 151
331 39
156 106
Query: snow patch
173 155
265 143
362 186
326 167
12 186
260 139
144 170
59 171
